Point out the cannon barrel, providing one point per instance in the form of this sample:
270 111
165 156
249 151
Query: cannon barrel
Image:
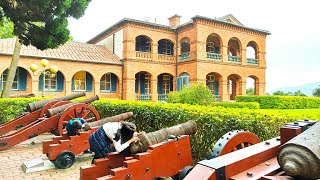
26 95
38 105
117 118
152 138
56 110
300 157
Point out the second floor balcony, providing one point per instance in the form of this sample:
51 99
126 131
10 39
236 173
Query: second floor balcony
214 56
185 56
143 55
252 61
234 59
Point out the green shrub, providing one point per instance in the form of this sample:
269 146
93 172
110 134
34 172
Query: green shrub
11 107
249 105
196 93
212 122
282 102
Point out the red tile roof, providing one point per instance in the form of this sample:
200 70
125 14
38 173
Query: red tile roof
71 51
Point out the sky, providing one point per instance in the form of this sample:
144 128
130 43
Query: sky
292 48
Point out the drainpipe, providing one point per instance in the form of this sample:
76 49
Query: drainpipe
122 74
177 56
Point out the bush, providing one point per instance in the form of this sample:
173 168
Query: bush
196 93
282 102
212 122
11 107
249 105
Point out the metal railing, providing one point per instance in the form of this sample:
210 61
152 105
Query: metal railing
163 97
217 97
184 56
234 59
252 61
143 97
214 56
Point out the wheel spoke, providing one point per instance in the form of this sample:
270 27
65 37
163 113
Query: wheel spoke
85 114
75 112
70 116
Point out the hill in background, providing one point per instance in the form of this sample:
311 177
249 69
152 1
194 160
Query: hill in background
305 89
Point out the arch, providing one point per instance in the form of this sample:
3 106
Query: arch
252 53
51 83
234 86
213 82
165 83
109 83
143 85
213 44
183 80
82 81
143 43
252 83
185 45
234 47
165 47
20 82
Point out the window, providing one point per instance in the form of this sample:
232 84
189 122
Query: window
165 47
185 46
50 82
80 81
15 80
143 44
210 47
210 82
166 84
147 85
105 82
183 80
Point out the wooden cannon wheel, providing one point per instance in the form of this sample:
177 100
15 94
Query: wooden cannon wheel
233 141
84 111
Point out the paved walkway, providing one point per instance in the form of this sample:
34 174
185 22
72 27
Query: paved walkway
12 159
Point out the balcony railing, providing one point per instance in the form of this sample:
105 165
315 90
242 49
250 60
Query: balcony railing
214 56
143 55
163 57
162 97
234 59
252 61
184 56
143 97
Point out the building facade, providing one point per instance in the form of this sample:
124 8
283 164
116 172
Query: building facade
145 61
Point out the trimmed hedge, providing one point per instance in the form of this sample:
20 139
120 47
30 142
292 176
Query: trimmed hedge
249 105
11 107
212 122
282 102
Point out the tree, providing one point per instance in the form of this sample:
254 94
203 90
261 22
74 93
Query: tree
41 23
6 28
316 92
279 93
250 91
299 93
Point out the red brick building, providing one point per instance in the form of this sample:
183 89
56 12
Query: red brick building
141 60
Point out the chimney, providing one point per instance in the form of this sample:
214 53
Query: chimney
174 21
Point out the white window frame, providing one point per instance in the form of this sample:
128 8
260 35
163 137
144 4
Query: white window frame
48 79
210 82
104 81
80 81
147 84
166 84
15 80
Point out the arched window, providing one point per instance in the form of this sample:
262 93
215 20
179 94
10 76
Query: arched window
15 80
211 83
50 82
183 80
105 82
165 47
185 45
80 81
143 44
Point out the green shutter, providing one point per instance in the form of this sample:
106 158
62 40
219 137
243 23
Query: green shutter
179 83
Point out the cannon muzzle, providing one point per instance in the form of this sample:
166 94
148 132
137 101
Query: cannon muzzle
152 138
38 105
300 157
56 110
117 118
